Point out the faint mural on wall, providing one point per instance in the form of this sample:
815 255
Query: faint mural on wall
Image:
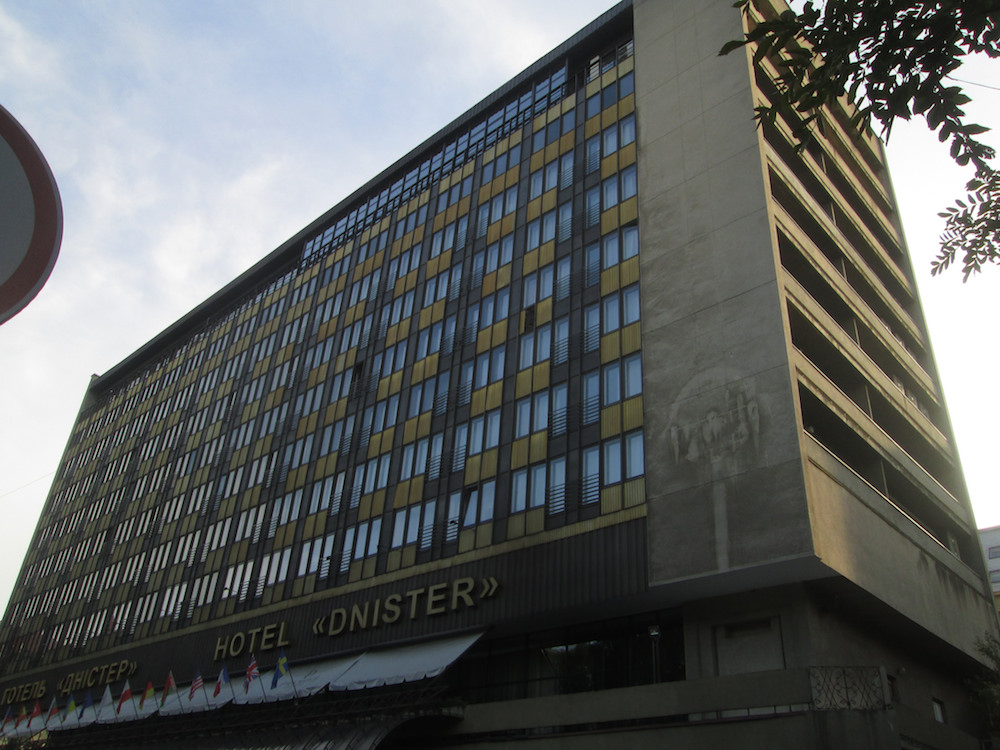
717 432
714 432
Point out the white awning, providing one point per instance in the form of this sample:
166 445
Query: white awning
393 666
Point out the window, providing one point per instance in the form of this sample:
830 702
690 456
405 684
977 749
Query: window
531 414
630 241
430 339
994 552
494 256
632 376
630 183
563 271
566 170
494 308
483 432
487 368
627 130
538 485
315 556
609 140
360 541
609 250
414 524
468 508
543 229
592 154
537 286
431 394
635 457
592 206
535 346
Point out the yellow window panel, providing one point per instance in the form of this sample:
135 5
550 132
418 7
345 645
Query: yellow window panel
401 495
466 540
484 340
540 376
494 393
499 333
416 493
472 469
609 220
489 464
543 311
629 271
522 383
529 262
394 560
365 508
534 522
424 425
410 430
503 276
629 210
611 421
631 338
519 453
610 347
515 526
478 400
626 155
539 445
611 499
395 382
378 503
539 122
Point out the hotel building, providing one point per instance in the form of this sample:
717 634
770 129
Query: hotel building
602 418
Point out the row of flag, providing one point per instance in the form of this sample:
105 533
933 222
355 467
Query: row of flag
126 709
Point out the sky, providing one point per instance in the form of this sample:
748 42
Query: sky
190 138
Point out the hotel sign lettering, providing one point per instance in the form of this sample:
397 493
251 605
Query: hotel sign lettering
102 675
426 601
265 638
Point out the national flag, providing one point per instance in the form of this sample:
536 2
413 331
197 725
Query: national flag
222 679
70 707
88 702
35 712
53 712
253 672
125 696
196 685
8 717
104 713
147 694
171 685
280 669
21 716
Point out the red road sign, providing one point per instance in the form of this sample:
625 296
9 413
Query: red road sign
30 218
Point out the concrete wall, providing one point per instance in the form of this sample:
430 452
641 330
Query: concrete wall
872 544
724 480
